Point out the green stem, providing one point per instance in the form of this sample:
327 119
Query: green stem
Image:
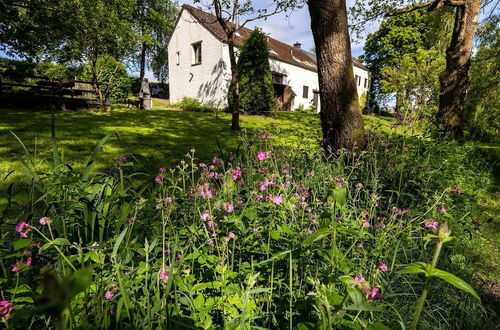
427 284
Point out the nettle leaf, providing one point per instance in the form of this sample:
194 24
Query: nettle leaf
208 285
455 281
415 268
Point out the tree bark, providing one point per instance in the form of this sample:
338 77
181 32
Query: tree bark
142 71
455 80
341 116
235 83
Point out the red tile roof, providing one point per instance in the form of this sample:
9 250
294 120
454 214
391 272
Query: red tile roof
277 49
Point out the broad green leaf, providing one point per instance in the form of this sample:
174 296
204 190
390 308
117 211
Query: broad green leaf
340 196
455 281
118 242
415 268
22 243
61 241
23 288
274 257
317 236
208 285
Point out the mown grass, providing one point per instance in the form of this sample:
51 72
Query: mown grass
155 138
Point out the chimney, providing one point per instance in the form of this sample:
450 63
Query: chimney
297 45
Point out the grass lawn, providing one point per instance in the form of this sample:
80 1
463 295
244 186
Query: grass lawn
155 138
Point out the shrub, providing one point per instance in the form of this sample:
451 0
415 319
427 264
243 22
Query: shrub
256 81
113 78
193 105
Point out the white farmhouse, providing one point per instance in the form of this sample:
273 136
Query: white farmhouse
199 65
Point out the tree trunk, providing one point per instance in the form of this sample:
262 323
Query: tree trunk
97 86
235 82
143 61
455 80
341 117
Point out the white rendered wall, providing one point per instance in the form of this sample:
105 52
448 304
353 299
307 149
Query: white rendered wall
207 82
364 75
297 78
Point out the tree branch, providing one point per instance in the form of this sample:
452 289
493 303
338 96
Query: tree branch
409 10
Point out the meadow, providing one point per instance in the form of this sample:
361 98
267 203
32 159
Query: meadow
134 219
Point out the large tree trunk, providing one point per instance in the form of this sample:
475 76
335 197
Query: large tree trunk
341 116
455 80
235 83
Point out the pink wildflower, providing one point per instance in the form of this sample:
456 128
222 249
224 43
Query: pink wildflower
277 199
205 217
231 235
432 224
367 224
314 220
265 136
28 261
443 210
20 227
456 190
382 267
261 155
43 221
5 309
162 170
202 165
15 269
163 275
211 224
122 159
340 182
236 173
109 295
229 208
360 279
158 179
375 294
168 200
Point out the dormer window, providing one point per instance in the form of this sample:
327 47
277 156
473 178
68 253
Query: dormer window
197 54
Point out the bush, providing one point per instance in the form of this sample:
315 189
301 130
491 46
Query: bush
113 75
267 238
193 105
256 81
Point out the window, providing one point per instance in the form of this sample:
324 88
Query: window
178 58
366 82
358 80
278 78
197 53
305 93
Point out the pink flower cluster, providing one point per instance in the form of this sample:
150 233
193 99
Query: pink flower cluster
205 191
262 155
5 309
20 229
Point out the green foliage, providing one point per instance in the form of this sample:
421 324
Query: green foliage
296 257
399 37
482 111
255 78
112 78
193 105
417 78
154 21
46 69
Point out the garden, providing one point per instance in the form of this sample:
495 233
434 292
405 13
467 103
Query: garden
374 210
237 231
